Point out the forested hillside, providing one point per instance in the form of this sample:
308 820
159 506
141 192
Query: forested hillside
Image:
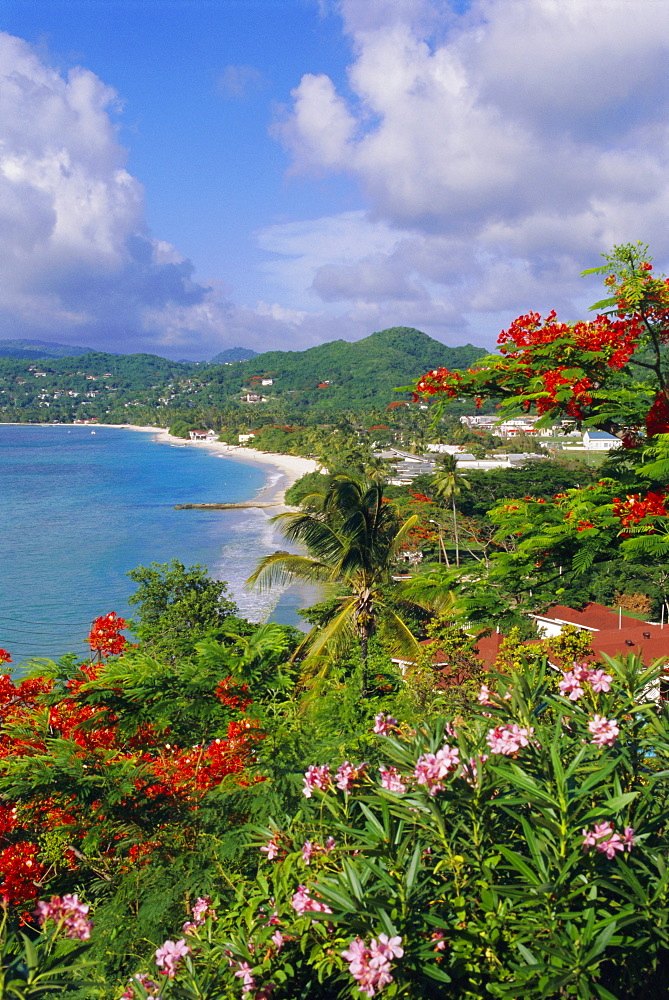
327 378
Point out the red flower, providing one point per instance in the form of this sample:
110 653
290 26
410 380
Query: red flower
4 656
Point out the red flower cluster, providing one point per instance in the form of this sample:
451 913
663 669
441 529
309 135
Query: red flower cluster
105 637
635 508
657 418
4 656
163 780
615 340
233 695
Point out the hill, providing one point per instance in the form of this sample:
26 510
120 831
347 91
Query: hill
234 354
363 372
36 350
321 381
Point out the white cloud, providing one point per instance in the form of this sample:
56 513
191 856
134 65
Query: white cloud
500 150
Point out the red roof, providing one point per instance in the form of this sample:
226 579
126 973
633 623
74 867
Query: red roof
592 616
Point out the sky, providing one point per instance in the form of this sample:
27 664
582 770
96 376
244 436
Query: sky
185 176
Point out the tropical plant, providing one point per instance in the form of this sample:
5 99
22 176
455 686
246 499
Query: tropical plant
448 483
352 537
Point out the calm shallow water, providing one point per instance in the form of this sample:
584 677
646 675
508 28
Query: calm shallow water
78 510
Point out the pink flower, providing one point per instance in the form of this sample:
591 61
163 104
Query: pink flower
385 948
603 838
317 776
509 739
307 851
604 731
370 966
199 913
384 724
68 913
600 681
271 848
347 774
277 939
330 845
570 686
244 973
303 903
431 768
391 779
169 955
484 695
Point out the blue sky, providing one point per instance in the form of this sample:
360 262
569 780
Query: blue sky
182 176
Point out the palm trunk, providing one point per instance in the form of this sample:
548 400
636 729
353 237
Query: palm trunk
364 643
455 532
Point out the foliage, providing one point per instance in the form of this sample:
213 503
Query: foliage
520 853
353 538
178 606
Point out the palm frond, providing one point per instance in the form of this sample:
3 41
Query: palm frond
283 567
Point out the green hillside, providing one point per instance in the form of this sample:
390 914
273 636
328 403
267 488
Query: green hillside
326 379
364 372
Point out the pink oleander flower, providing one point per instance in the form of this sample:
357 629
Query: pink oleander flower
244 973
484 695
628 838
330 845
201 910
303 903
385 949
271 848
169 956
317 776
604 838
604 731
509 739
370 966
67 912
151 988
391 779
384 724
432 768
277 940
600 681
307 851
347 774
570 686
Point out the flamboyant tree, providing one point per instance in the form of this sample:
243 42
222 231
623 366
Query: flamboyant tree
609 373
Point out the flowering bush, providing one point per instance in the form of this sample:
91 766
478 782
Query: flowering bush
519 852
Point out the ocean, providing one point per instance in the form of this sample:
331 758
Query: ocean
82 506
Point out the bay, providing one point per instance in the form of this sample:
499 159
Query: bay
79 508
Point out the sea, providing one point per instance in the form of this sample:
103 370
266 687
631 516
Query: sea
81 506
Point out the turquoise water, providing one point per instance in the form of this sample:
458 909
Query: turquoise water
79 509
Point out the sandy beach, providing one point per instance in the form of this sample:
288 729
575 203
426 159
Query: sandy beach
291 467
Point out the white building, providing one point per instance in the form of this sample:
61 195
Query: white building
600 441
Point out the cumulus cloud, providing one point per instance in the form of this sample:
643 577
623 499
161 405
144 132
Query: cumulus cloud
76 259
506 145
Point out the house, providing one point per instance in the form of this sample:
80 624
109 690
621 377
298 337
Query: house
267 381
611 633
246 437
600 441
253 397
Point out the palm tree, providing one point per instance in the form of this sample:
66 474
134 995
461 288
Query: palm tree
352 537
448 482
